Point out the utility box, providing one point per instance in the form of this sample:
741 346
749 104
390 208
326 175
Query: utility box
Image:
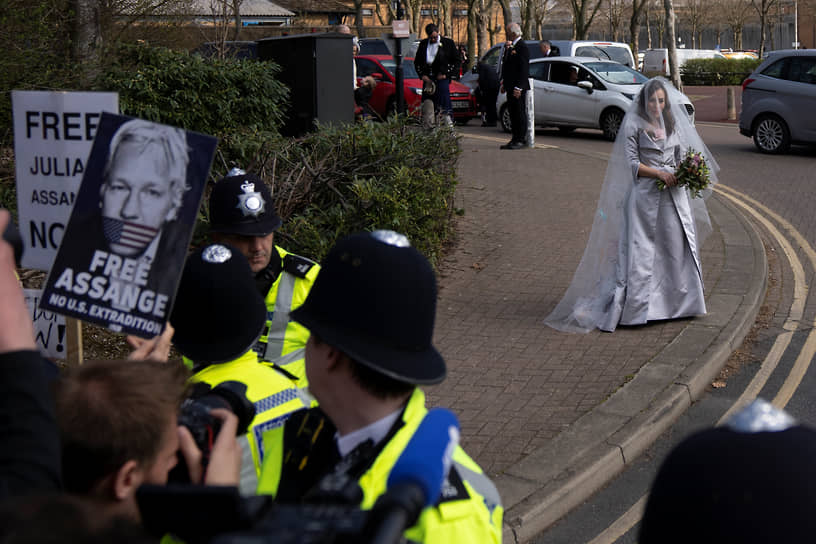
318 69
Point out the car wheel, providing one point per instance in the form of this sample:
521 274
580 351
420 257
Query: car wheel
610 123
771 134
506 122
566 130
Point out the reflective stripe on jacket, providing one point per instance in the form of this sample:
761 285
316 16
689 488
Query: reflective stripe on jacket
285 340
275 397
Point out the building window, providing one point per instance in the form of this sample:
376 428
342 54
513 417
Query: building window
335 19
367 12
460 13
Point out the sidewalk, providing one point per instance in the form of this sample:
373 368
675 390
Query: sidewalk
553 416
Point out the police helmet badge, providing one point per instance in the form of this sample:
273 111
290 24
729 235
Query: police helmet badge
216 254
251 203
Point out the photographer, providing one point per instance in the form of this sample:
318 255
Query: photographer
371 312
118 427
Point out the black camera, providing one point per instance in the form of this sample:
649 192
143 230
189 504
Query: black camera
195 415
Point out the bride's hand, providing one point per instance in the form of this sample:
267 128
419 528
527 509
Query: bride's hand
667 178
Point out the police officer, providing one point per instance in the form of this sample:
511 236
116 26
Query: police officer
371 313
218 316
242 215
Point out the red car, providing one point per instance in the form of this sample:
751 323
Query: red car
384 101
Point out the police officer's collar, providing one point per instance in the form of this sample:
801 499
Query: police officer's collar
267 276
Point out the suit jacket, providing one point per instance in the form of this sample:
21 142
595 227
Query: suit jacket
446 61
516 67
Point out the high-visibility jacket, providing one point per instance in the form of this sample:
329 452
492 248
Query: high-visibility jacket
283 341
468 511
275 398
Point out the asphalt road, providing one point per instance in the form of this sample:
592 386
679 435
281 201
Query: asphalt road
777 193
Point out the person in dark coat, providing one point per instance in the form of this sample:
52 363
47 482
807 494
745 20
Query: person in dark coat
515 73
488 91
437 60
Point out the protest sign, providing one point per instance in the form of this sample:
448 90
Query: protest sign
49 328
53 133
124 246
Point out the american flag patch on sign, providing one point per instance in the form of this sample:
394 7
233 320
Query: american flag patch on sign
127 237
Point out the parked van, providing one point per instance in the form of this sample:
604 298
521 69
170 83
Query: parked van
617 51
656 61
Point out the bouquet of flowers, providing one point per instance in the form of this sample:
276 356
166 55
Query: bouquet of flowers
692 172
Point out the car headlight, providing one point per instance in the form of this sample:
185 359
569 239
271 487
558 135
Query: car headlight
416 90
630 96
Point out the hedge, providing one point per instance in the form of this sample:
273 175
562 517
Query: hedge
717 71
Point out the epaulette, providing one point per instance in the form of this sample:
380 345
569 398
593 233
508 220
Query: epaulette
454 488
297 265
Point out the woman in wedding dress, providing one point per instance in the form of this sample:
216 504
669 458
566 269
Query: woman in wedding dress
642 261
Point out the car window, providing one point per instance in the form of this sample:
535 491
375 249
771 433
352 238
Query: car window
408 69
802 69
539 70
491 58
617 73
591 51
776 69
367 67
565 73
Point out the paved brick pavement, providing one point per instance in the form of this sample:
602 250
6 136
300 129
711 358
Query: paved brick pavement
527 395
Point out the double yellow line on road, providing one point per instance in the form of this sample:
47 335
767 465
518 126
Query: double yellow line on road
761 214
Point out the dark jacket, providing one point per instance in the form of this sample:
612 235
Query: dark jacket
30 457
516 67
446 61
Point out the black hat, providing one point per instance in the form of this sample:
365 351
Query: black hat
375 300
218 313
241 203
752 483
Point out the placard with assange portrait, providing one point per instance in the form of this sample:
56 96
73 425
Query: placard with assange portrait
124 247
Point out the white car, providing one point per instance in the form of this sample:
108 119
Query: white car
577 92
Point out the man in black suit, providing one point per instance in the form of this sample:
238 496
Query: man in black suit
515 82
547 49
437 61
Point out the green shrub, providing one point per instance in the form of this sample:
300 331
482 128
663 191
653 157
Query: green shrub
206 95
717 71
344 179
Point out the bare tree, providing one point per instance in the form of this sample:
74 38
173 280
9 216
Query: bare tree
697 13
638 7
763 7
583 13
87 33
507 13
614 17
527 14
735 13
674 68
543 9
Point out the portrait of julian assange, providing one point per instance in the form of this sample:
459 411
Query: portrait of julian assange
124 247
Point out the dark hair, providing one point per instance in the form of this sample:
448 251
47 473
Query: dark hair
377 383
649 89
111 412
547 42
430 28
373 381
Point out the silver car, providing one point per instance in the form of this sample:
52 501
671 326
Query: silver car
577 92
779 101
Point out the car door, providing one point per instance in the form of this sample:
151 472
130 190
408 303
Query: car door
566 102
539 73
384 89
800 97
